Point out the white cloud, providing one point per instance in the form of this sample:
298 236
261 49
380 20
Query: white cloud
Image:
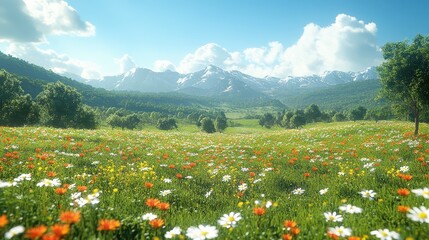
348 44
126 63
163 65
32 20
50 59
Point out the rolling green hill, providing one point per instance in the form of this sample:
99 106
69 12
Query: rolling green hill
337 97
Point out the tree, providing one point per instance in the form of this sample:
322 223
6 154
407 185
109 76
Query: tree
166 124
221 124
312 113
60 104
298 119
207 125
404 75
357 113
115 120
16 109
267 120
85 118
286 119
339 117
131 121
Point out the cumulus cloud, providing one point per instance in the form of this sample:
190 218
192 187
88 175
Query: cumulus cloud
348 44
59 63
126 63
32 20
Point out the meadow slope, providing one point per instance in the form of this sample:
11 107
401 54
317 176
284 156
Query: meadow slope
349 180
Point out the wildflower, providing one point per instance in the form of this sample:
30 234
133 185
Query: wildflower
35 232
152 202
226 178
60 229
403 192
242 187
350 209
70 217
173 232
229 220
289 224
23 177
403 209
156 223
3 220
323 191
165 193
149 216
82 188
167 180
404 169
424 192
108 225
332 216
259 211
341 231
49 183
419 214
368 194
385 234
60 191
208 193
202 232
15 231
163 206
295 231
287 237
7 184
298 191
50 236
148 185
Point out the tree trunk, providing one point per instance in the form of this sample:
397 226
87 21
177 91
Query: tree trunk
416 122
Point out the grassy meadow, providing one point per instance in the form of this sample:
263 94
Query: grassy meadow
353 180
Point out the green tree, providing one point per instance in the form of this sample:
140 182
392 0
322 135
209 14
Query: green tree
16 109
267 120
115 120
357 113
298 119
85 118
221 124
166 124
286 119
131 121
404 75
207 125
339 117
60 104
312 113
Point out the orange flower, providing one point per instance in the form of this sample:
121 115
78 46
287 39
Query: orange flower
82 188
50 236
331 235
35 232
252 174
60 191
287 237
3 220
163 206
108 225
353 238
60 229
295 230
289 224
70 217
148 185
152 202
403 192
259 211
403 209
156 223
179 176
52 174
306 174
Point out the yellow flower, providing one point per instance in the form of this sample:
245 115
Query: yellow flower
240 204
115 190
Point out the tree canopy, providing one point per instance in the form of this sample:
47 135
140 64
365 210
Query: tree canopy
404 75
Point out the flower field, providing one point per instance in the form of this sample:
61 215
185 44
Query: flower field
359 180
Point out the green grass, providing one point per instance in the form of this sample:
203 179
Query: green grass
345 157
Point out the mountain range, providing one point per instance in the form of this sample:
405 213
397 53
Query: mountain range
214 81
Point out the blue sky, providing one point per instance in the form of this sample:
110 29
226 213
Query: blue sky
279 38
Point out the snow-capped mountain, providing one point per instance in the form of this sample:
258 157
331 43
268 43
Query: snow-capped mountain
214 81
